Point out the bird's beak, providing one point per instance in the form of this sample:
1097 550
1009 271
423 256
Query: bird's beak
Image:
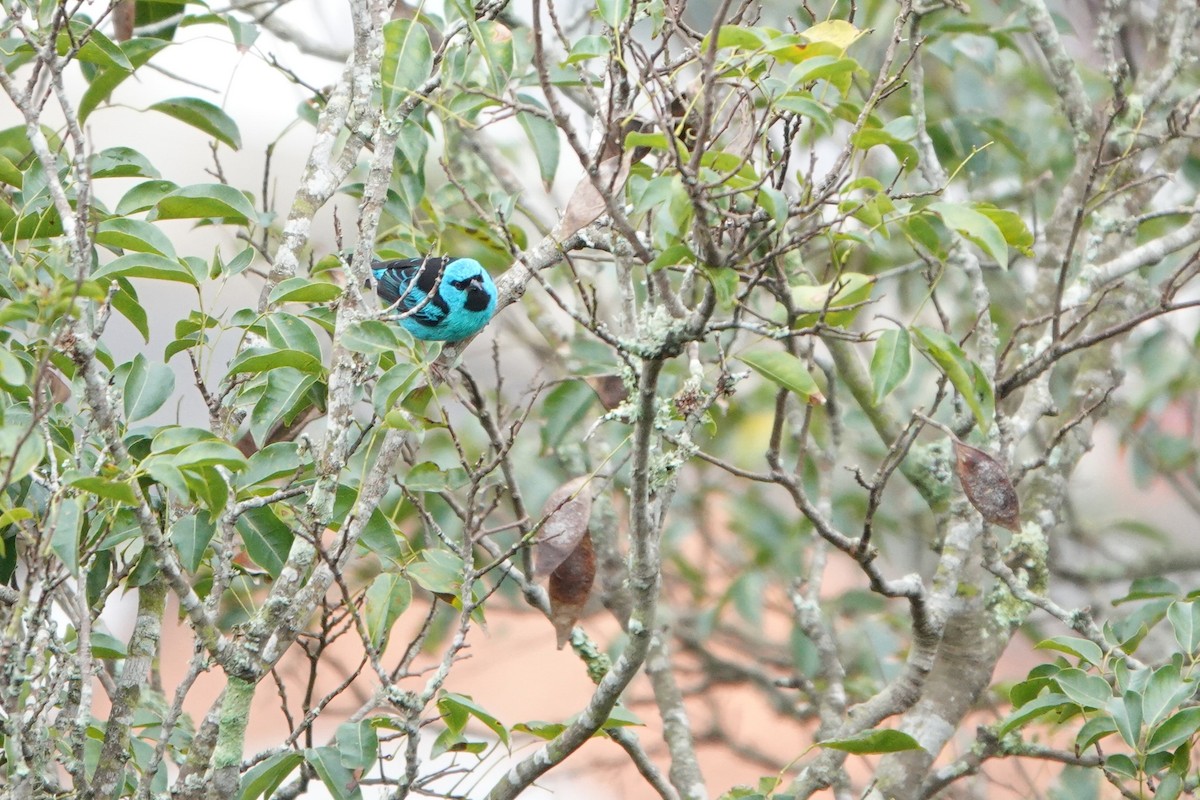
476 284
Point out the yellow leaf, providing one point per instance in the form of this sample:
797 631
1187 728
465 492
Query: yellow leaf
844 296
837 32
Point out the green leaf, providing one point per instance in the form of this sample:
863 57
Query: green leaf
976 227
543 137
289 332
407 60
304 290
877 741
775 203
98 577
339 781
124 527
495 47
174 438
143 196
1126 712
964 375
96 48
1185 621
110 490
393 385
146 265
147 387
12 372
429 477
563 409
12 516
379 537
10 173
450 703
1035 708
238 264
203 116
191 535
542 730
1093 731
450 742
724 281
983 394
1170 787
104 645
208 485
372 337
162 471
1087 691
387 598
267 539
138 51
655 141
1011 226
136 235
1147 588
1083 649
204 201
803 104
211 453
1164 692
277 460
890 363
437 571
589 47
1179 728
122 162
622 717
65 539
264 778
262 359
285 392
245 33
737 36
614 12
840 299
1121 764
358 744
904 152
786 371
829 68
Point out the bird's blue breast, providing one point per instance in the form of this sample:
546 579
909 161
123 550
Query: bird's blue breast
437 299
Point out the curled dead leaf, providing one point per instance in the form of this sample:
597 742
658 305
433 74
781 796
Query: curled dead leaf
610 389
988 487
570 586
124 14
587 204
567 512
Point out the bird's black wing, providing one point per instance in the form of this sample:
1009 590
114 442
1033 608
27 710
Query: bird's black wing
394 281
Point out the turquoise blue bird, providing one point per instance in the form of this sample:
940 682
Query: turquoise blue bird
442 299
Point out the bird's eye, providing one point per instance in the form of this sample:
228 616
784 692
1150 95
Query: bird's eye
465 282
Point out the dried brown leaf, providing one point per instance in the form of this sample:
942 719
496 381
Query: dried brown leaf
988 487
570 587
566 512
586 204
610 389
124 14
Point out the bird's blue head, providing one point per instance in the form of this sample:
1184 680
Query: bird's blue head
463 297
